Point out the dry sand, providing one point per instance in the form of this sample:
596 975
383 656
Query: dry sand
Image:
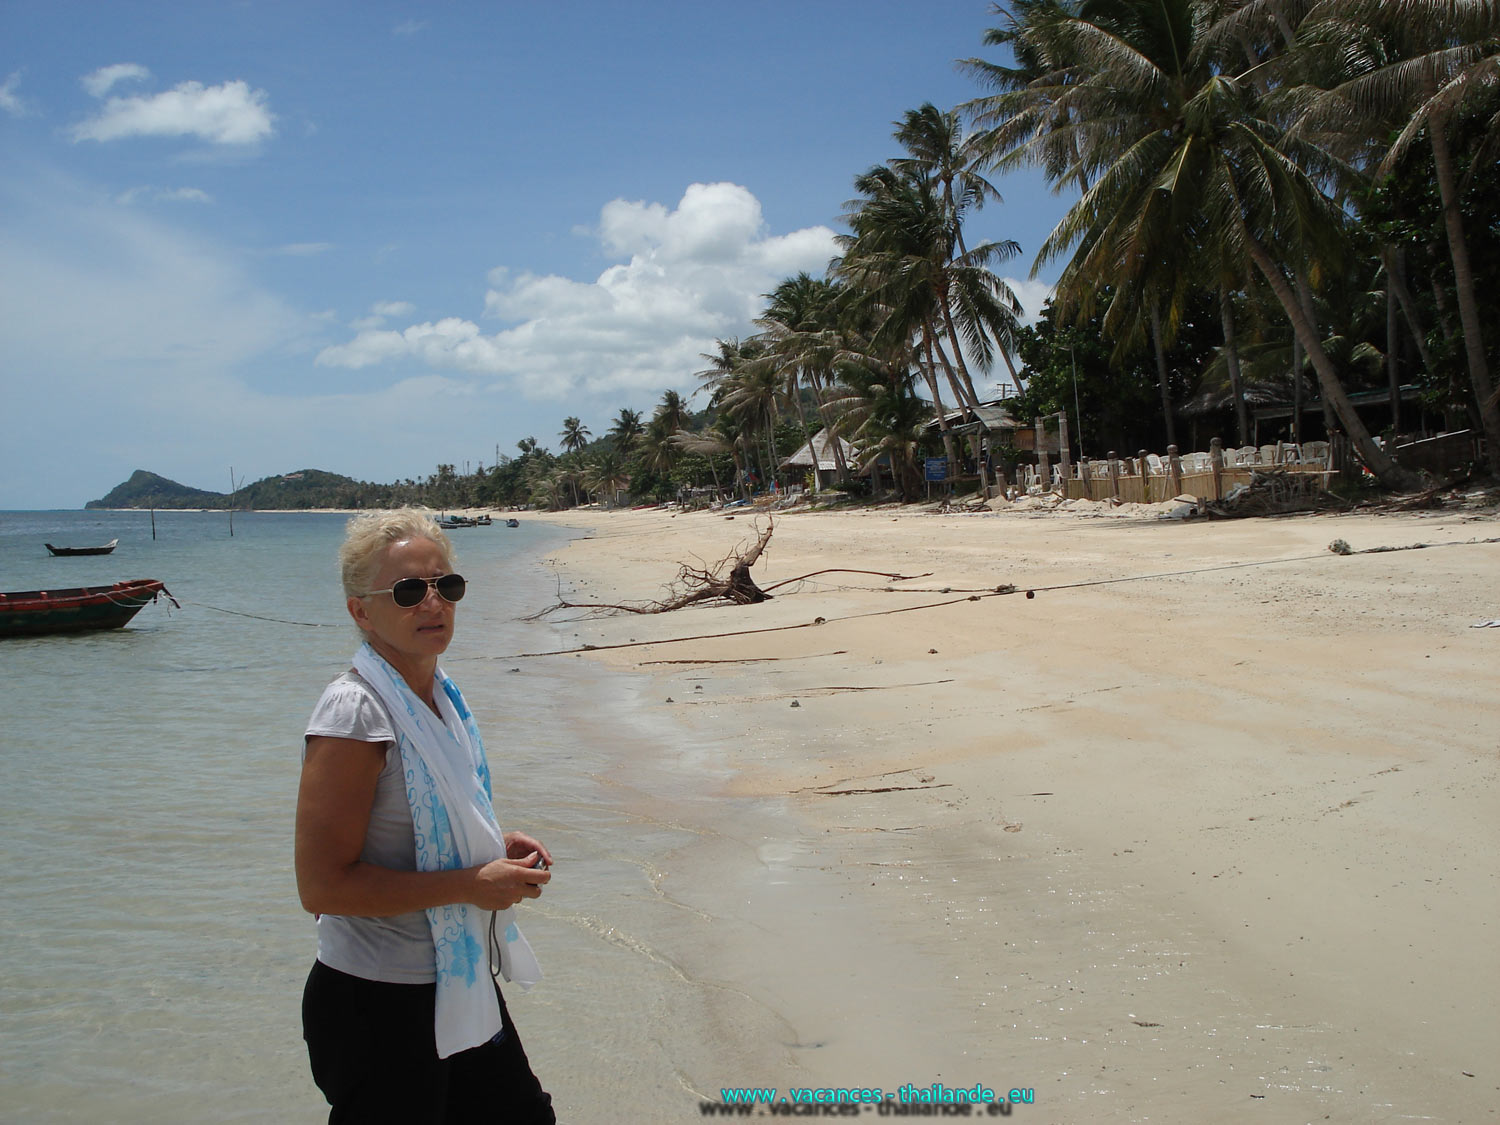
1215 846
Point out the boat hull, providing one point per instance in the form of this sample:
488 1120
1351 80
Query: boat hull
64 552
31 613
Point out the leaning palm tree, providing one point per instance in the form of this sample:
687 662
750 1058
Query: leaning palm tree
1414 67
1184 154
900 264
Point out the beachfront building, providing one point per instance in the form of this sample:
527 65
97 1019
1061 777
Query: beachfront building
817 458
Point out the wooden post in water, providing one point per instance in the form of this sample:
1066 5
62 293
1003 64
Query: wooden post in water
153 524
1174 464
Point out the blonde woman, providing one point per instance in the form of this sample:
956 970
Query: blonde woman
399 856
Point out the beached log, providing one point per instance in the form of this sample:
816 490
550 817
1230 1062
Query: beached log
727 580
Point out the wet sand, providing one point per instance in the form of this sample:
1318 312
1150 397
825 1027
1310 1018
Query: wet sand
1183 848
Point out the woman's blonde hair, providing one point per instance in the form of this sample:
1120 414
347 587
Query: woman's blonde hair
369 535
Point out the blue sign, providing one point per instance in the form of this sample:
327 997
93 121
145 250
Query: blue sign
935 468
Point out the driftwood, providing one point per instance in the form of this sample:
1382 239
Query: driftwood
728 580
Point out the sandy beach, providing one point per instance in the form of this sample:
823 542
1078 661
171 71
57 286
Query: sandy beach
1199 847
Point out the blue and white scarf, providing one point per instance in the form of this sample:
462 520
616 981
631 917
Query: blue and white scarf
453 816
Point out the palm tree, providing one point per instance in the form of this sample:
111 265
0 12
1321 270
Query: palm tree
575 435
801 332
1184 157
901 264
1416 66
626 430
606 476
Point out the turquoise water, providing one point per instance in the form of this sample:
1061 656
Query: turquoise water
152 950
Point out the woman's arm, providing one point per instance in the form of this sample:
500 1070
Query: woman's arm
333 815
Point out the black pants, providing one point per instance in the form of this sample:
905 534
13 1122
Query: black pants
374 1056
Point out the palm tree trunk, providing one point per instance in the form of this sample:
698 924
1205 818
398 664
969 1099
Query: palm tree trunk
958 355
840 462
1161 372
1463 284
1232 357
929 372
1392 347
1395 272
962 391
1385 469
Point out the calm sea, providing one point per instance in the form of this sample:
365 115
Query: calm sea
152 950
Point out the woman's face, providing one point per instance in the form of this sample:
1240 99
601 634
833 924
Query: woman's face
421 632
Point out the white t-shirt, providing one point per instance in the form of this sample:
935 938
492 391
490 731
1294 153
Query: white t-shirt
397 948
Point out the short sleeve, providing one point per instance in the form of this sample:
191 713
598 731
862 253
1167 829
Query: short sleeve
349 708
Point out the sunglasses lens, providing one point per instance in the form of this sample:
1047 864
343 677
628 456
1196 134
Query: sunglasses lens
409 592
452 587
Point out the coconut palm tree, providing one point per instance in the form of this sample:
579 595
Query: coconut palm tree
626 430
606 475
575 435
801 332
1186 161
1415 66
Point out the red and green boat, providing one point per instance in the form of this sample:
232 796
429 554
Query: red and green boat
30 613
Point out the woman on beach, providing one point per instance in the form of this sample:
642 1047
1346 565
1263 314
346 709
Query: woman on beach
399 855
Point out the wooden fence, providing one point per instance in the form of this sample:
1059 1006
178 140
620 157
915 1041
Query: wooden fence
1146 479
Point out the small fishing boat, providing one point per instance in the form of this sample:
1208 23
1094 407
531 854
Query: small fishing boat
512 523
30 613
104 550
449 523
482 521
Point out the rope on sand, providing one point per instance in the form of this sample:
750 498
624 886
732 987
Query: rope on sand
998 592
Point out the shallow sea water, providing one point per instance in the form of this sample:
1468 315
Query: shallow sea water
152 950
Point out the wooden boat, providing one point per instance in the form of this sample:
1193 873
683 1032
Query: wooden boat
482 521
104 550
29 613
448 523
512 523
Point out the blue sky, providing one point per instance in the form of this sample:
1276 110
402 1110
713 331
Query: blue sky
372 237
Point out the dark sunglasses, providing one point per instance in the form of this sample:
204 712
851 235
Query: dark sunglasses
409 592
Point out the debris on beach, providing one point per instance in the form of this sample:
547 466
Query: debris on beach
1275 493
727 580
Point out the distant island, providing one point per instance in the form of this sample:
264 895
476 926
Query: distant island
306 488
500 486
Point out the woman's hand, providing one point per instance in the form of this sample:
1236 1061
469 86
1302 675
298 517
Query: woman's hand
518 845
502 883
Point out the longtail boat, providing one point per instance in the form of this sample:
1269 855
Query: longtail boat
29 613
104 550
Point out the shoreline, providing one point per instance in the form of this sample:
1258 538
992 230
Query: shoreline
1160 847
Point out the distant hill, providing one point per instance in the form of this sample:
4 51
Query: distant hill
306 488
147 490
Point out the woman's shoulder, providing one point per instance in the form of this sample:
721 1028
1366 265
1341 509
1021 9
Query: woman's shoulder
350 708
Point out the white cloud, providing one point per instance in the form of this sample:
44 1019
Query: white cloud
690 274
1032 294
409 27
103 80
229 114
10 101
302 249
392 308
165 195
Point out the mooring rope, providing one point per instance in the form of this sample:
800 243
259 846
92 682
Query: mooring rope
261 617
1002 591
